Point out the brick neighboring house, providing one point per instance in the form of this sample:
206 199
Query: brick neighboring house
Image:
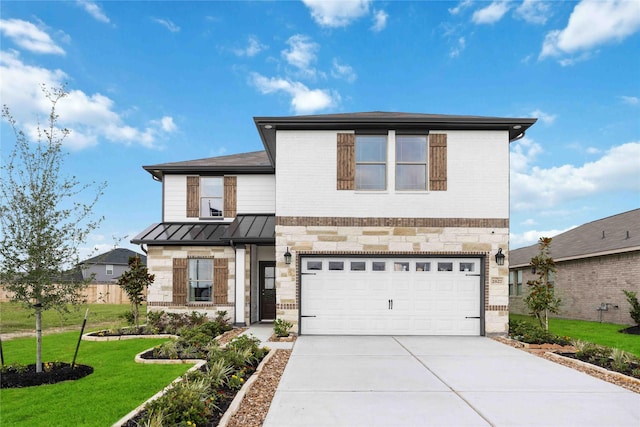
594 262
358 223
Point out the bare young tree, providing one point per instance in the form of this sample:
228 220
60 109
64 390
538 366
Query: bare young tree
43 220
135 282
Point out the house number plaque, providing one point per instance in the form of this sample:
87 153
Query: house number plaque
497 280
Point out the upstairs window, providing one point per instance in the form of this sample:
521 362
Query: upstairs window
211 197
109 269
371 162
411 162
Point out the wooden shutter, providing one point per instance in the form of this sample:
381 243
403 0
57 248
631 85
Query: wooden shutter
220 280
180 266
230 185
193 196
346 161
438 162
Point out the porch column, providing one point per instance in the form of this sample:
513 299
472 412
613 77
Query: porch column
240 283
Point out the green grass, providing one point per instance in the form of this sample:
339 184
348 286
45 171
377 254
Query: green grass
117 385
605 334
16 318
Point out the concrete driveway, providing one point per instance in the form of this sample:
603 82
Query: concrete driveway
438 381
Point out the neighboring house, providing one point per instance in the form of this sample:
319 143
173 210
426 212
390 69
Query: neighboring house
109 266
594 263
362 223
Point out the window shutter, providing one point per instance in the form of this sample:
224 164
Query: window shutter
220 280
180 281
193 196
230 185
346 161
438 162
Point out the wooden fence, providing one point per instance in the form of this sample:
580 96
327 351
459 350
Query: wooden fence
100 293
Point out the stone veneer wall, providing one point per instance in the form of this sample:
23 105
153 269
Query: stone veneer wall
394 240
584 284
160 263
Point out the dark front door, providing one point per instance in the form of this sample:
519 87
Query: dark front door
267 290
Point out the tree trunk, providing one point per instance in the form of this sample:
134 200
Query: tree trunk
38 338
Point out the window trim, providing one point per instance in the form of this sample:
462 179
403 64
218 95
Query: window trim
201 197
403 163
109 269
384 163
190 280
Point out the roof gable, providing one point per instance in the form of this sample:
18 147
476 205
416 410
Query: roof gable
614 234
117 256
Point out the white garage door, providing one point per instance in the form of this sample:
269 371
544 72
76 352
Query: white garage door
390 296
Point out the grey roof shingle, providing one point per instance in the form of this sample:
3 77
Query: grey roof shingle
253 162
117 256
614 234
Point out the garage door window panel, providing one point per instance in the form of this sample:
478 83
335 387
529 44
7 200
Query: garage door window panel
467 266
401 266
336 265
314 265
358 266
423 266
445 266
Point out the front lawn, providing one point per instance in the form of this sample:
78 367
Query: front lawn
117 385
16 318
605 334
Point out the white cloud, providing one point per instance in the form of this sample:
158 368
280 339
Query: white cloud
531 237
630 100
342 71
94 10
379 20
460 7
29 37
458 48
491 14
302 51
167 24
616 170
593 150
534 11
592 23
544 117
89 117
253 48
337 13
303 99
523 153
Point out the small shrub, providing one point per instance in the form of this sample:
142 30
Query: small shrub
632 298
236 381
282 327
218 372
533 334
129 317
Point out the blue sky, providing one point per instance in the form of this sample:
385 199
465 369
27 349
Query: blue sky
156 82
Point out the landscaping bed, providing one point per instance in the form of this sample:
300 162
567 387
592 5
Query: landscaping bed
16 376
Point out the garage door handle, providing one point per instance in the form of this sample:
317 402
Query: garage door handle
472 317
473 275
390 304
307 316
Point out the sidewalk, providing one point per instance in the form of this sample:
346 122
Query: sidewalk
263 331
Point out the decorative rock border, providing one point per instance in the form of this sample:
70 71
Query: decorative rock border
90 337
141 407
231 410
592 366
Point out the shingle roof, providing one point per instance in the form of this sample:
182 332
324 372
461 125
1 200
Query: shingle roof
117 256
614 234
267 126
253 162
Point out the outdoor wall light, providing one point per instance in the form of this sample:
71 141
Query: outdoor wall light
500 257
287 256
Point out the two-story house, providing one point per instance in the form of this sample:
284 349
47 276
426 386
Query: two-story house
362 223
